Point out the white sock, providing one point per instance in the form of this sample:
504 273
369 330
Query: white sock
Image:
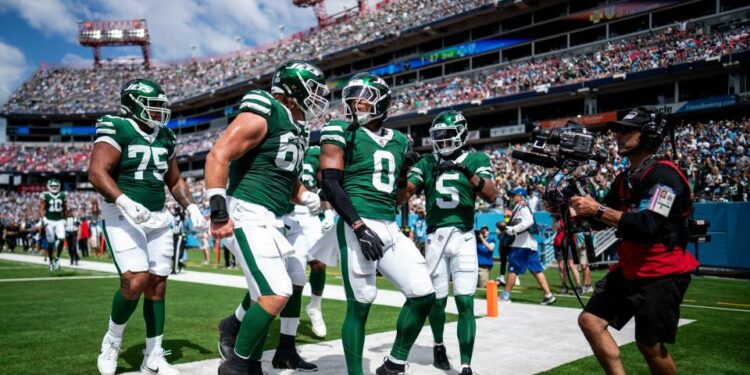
153 343
315 301
289 326
548 295
239 313
438 344
116 330
396 361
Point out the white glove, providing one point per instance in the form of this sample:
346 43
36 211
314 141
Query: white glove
196 217
328 221
135 211
311 201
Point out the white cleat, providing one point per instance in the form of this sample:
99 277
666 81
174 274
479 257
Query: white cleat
316 318
155 363
107 360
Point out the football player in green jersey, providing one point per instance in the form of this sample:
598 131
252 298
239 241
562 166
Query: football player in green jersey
260 156
302 230
132 161
53 210
363 169
452 178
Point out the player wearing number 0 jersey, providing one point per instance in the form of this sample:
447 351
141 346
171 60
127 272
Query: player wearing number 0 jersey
452 178
363 169
131 163
53 209
260 156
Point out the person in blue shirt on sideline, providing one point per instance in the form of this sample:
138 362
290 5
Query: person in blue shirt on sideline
419 230
485 248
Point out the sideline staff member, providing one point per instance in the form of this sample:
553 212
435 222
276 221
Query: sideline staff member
649 205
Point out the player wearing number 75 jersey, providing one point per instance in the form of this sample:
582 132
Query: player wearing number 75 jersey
260 156
452 178
132 161
363 168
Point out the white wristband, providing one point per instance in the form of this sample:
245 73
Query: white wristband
216 191
123 200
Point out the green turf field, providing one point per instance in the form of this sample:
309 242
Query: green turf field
713 344
56 326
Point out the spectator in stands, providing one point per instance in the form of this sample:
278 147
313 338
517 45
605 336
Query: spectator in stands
485 249
523 253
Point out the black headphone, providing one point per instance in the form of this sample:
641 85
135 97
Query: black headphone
653 133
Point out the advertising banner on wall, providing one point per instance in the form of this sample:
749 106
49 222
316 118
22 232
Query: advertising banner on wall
587 120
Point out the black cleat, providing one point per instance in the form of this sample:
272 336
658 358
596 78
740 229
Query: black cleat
255 367
228 329
440 358
235 366
390 368
288 358
466 371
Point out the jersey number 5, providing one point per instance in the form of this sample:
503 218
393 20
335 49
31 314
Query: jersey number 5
450 191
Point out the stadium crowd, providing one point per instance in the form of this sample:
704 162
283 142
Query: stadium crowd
714 154
69 90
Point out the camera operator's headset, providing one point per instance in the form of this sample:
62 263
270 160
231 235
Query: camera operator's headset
654 132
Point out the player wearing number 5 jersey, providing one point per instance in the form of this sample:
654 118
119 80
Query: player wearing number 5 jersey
53 210
131 163
363 169
260 156
452 178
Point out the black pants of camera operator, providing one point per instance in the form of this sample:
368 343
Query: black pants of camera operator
179 251
71 239
83 245
229 260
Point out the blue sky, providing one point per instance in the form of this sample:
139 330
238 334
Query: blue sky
37 31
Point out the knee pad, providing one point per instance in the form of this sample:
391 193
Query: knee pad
420 289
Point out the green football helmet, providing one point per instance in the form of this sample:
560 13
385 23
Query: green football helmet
305 84
53 185
145 101
449 132
371 90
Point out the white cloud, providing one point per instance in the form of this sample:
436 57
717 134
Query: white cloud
48 16
13 70
73 60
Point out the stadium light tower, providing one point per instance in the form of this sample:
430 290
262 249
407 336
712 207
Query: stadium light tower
98 34
320 10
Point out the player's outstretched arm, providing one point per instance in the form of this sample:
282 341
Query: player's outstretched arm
488 191
246 132
104 159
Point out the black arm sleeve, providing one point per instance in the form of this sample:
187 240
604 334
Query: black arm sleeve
648 224
336 195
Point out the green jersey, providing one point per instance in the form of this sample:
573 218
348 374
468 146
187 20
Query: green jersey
310 166
53 205
371 166
143 158
449 197
266 175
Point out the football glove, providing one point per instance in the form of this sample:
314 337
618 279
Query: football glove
410 158
447 165
196 217
369 242
135 211
328 222
311 201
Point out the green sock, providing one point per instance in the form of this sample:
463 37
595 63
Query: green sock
122 308
258 351
317 280
153 315
410 322
467 327
353 334
437 319
253 330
